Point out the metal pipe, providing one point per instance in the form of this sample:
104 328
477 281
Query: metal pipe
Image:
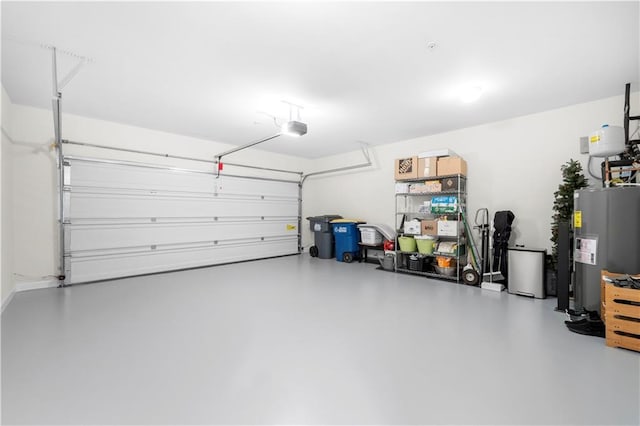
57 128
54 64
178 157
249 145
56 105
300 217
342 169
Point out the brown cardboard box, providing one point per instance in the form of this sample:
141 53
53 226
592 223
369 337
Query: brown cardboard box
433 185
429 227
452 184
406 168
451 166
427 167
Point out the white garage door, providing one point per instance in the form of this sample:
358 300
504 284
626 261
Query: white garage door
124 219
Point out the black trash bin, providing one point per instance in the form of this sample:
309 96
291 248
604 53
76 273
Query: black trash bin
323 236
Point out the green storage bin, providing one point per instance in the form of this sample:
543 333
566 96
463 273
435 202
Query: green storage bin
425 244
407 244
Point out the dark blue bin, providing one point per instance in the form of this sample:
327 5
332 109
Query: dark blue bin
347 237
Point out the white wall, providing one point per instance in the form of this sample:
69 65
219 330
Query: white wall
513 165
35 205
6 201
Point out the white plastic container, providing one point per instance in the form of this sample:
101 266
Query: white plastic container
370 236
607 141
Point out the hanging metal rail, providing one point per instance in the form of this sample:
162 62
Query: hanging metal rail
365 151
177 157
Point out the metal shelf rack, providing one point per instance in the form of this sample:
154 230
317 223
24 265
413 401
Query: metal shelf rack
407 207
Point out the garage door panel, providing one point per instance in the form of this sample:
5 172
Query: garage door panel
101 267
128 219
95 237
94 174
85 205
244 186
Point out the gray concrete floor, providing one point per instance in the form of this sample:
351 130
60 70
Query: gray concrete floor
303 340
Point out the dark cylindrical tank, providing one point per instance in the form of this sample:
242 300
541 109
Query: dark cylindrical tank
606 236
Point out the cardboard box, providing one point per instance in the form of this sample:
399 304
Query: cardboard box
402 188
412 227
419 188
433 185
451 166
448 228
427 167
429 227
406 168
452 184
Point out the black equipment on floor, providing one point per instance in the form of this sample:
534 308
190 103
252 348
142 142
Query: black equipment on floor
565 239
502 232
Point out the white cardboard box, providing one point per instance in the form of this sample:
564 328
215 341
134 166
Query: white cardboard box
412 227
402 188
448 228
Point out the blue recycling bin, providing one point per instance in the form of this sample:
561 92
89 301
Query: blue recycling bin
347 237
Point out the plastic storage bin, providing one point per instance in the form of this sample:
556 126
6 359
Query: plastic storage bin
370 236
322 235
407 244
347 238
425 243
416 263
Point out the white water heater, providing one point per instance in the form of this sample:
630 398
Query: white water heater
607 141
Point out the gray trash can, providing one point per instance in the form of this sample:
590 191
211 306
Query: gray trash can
526 273
323 236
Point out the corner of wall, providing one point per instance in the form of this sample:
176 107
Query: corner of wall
7 287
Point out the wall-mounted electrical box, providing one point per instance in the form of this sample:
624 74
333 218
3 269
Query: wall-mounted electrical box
584 145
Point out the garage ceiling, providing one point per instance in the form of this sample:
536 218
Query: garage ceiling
364 71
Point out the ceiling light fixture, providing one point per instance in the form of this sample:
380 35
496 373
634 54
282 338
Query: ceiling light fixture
294 127
470 94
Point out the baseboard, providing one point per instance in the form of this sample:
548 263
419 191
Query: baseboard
8 299
35 285
28 285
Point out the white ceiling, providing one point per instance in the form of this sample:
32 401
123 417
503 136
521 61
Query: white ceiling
362 70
